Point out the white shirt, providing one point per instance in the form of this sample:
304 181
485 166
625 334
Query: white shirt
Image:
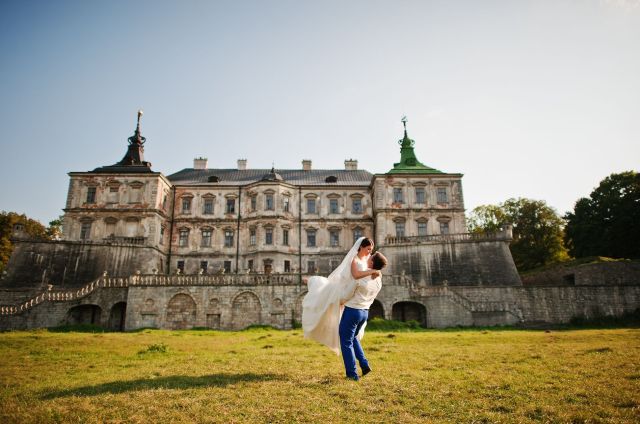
366 289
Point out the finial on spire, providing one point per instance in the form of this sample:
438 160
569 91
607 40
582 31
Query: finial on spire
404 122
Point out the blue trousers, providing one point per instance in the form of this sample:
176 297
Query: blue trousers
350 324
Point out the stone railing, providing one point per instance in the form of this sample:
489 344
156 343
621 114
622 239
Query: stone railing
125 240
448 238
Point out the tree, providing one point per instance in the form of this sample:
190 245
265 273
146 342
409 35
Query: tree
54 230
607 223
537 230
8 220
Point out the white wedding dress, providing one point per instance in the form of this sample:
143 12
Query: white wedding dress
321 310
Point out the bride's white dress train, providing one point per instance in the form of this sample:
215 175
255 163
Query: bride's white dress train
321 310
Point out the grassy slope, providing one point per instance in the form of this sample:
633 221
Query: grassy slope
277 376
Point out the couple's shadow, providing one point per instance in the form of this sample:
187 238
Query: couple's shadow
170 382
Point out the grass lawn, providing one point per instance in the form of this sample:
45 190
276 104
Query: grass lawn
265 375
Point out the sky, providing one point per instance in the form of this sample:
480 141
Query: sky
536 99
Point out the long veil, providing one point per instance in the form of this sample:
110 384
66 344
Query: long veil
321 310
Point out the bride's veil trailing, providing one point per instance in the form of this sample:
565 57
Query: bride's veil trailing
321 306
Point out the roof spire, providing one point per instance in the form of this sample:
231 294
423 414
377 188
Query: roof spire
409 163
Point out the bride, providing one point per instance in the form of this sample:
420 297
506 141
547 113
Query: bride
322 306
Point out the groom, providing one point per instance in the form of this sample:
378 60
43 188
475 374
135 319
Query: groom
356 312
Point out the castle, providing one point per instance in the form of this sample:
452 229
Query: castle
227 248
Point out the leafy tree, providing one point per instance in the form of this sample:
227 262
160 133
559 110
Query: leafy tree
537 230
607 223
54 230
7 222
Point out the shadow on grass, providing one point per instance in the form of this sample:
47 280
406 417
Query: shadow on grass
170 382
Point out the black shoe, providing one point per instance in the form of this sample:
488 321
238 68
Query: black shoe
365 371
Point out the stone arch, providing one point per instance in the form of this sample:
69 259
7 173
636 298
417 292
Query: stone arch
246 310
84 314
181 312
376 310
297 308
409 311
117 316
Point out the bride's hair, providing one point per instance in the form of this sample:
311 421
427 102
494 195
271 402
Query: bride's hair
364 243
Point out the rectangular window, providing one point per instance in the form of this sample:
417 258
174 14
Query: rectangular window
268 236
252 237
254 202
399 229
442 195
285 203
397 195
311 267
161 235
85 231
186 205
181 266
444 228
357 233
208 207
228 238
227 267
269 202
422 228
285 237
91 195
250 265
112 195
333 205
420 195
287 266
231 205
204 265
334 238
356 206
206 238
311 238
183 240
311 205
334 264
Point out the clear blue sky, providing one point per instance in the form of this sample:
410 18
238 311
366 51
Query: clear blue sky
536 99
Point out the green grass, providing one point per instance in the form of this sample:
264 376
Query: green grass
266 375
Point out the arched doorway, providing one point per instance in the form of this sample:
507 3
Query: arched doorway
410 311
117 316
181 312
84 314
297 309
376 310
246 310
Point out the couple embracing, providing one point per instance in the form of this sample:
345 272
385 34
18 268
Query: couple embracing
336 308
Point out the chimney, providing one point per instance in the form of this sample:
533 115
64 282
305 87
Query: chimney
306 165
242 164
351 165
200 163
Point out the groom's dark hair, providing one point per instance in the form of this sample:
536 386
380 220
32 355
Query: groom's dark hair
379 261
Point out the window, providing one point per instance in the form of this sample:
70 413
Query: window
311 205
311 238
231 205
442 195
181 266
357 233
334 238
85 231
268 235
420 195
311 267
422 228
186 205
287 266
164 202
397 195
399 229
208 207
356 206
161 235
269 202
135 192
285 203
227 267
112 195
91 195
250 265
206 238
285 237
334 263
203 266
228 238
333 205
252 237
183 239
444 228
254 201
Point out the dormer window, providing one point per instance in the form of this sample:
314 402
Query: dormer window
213 179
331 179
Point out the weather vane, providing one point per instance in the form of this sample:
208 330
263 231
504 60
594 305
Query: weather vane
404 122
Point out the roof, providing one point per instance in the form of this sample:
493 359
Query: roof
191 176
